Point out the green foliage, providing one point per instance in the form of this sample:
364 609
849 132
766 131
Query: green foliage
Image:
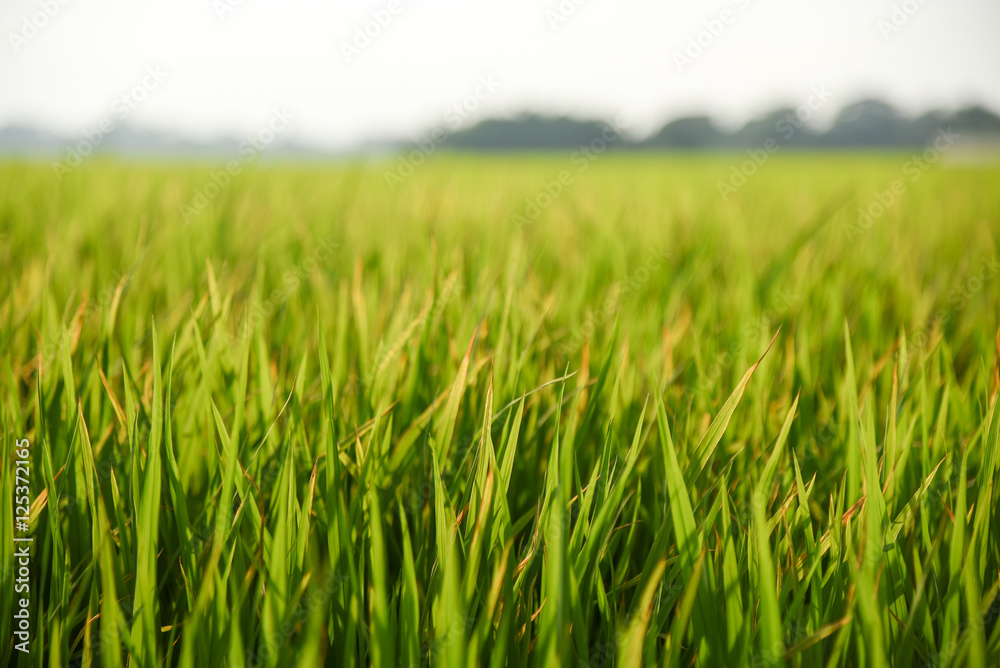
651 426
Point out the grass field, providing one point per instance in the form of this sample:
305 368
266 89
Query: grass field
498 416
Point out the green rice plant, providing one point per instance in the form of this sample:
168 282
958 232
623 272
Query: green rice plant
323 423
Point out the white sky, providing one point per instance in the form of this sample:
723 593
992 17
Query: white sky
608 58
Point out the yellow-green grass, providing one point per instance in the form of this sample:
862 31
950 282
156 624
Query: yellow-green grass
318 418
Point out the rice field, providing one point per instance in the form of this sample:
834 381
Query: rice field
512 411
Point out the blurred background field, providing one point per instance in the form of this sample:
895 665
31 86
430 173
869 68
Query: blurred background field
802 226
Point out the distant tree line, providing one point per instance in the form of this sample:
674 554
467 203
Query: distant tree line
868 123
864 124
